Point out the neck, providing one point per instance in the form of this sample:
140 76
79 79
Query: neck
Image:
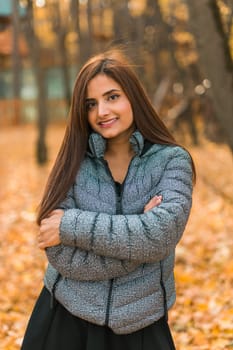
119 146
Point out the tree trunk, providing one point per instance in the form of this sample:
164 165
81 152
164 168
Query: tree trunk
78 14
122 22
215 64
61 30
42 120
16 62
74 14
89 48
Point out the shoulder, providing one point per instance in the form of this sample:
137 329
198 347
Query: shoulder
169 158
167 152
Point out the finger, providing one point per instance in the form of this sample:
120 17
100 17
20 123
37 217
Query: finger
156 199
148 207
56 212
154 202
40 240
41 246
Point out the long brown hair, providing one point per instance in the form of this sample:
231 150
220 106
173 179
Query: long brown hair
116 66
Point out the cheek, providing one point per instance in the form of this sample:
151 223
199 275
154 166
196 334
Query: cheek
129 114
127 109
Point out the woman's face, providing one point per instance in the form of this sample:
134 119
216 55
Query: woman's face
108 108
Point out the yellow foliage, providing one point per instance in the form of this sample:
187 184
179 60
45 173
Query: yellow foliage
202 318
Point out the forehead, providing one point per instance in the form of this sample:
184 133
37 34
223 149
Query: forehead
101 84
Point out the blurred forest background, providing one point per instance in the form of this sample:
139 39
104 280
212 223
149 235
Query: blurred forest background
183 51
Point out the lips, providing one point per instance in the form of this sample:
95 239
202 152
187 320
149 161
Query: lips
107 123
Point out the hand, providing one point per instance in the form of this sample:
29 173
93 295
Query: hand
49 234
154 202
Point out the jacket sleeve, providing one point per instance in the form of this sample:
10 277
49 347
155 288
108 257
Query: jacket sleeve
75 263
146 237
81 265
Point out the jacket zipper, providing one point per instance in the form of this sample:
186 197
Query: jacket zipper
118 192
164 292
108 302
118 211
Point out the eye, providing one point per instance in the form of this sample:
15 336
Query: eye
113 97
90 105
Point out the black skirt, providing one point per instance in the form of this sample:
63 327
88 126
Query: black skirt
56 329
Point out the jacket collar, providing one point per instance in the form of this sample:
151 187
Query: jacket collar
97 144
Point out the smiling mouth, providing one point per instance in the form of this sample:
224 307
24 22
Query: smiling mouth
107 123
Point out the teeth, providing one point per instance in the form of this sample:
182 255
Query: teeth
107 122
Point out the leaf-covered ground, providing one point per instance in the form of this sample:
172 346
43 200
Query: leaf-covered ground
202 318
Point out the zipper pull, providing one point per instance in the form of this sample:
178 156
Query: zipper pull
51 304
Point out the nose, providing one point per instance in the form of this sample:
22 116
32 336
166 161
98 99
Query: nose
103 109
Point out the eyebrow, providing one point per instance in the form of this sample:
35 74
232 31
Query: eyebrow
110 91
104 94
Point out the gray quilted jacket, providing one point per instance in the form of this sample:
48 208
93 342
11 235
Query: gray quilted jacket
115 264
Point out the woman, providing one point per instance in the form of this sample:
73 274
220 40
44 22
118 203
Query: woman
115 207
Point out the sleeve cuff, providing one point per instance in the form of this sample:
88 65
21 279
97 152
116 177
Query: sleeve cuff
68 227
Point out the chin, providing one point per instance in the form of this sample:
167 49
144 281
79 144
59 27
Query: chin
108 134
